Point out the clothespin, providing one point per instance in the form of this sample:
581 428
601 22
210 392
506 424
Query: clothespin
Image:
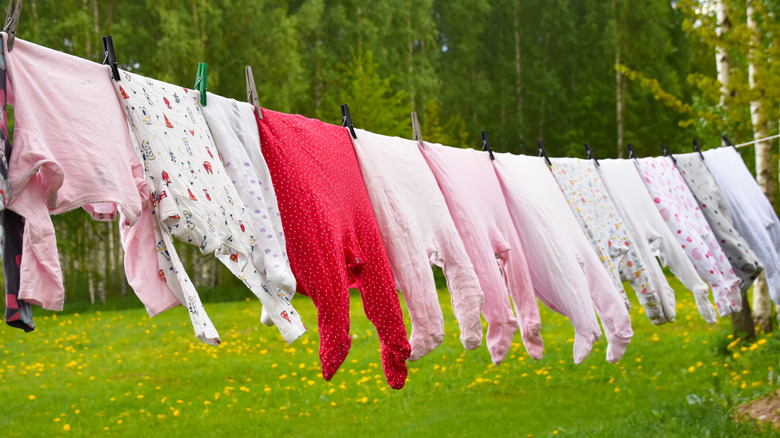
12 22
631 151
591 155
416 130
542 152
697 149
251 92
486 144
667 153
109 57
346 119
201 80
728 141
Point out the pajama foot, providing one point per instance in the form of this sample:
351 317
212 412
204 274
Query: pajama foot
421 347
394 365
333 354
583 344
500 341
616 348
532 339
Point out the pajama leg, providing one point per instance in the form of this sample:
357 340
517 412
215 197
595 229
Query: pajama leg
632 270
18 313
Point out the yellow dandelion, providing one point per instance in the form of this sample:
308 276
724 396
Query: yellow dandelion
617 389
691 369
66 427
31 397
176 413
140 396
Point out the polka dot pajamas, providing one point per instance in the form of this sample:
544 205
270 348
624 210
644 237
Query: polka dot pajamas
333 240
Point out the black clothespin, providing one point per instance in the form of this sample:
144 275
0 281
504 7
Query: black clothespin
667 153
591 155
109 57
728 141
251 92
416 130
346 119
542 152
697 149
631 151
486 144
12 22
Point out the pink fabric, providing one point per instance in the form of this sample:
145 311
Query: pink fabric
82 158
473 194
567 274
679 209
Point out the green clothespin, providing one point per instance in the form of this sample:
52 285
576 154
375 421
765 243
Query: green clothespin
200 81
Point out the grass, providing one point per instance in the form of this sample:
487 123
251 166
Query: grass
119 373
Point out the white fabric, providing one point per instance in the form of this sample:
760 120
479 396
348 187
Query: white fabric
648 231
753 214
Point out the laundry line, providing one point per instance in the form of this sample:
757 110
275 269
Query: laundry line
756 141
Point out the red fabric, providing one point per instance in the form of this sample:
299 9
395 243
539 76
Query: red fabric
333 240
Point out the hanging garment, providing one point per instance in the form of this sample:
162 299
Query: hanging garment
716 210
333 239
194 199
18 313
83 159
473 194
652 238
597 215
566 272
754 217
232 124
418 231
679 210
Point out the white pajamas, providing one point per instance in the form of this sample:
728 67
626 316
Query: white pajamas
753 214
194 199
418 231
648 231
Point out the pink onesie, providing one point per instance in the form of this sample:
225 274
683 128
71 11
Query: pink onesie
417 230
81 158
473 194
679 209
567 274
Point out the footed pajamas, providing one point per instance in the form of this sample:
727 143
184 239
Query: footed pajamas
653 240
18 313
598 217
417 230
194 199
566 272
753 214
333 240
716 210
83 158
473 194
679 209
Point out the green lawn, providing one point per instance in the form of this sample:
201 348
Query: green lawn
121 373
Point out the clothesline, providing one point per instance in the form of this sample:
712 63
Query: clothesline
756 141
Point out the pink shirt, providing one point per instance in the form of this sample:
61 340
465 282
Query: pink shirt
81 158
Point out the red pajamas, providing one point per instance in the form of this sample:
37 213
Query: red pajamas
333 240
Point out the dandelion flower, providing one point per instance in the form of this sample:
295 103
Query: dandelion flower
66 427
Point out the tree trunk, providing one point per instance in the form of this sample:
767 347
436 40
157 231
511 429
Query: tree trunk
721 55
90 262
410 59
762 304
518 81
619 87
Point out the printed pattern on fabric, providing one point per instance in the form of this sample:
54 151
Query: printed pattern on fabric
716 210
681 213
18 313
333 239
193 198
473 194
566 272
753 214
418 231
581 184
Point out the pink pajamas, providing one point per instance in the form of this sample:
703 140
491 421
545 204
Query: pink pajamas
566 273
417 230
679 209
473 194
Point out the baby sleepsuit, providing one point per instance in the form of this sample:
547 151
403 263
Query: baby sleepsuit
474 198
194 199
598 217
681 213
417 230
333 240
716 210
653 239
566 272
753 214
